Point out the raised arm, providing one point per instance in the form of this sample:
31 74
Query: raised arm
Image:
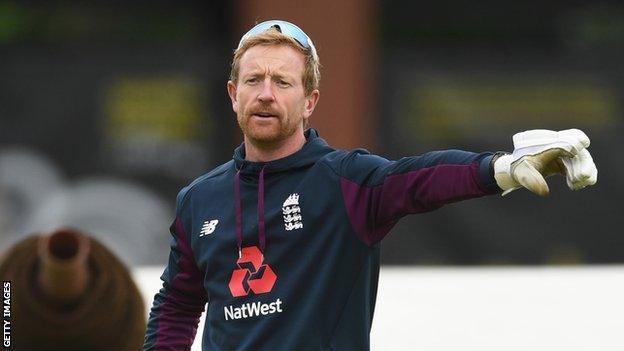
378 192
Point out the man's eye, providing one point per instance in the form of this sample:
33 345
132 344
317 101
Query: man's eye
252 80
283 83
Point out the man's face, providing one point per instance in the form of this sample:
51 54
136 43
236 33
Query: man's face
269 98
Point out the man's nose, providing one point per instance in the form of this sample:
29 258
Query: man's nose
266 92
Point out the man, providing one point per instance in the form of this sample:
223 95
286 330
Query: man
282 241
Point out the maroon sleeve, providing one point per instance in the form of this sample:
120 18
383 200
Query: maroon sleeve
178 305
378 192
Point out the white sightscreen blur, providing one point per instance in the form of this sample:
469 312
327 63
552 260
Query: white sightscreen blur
487 309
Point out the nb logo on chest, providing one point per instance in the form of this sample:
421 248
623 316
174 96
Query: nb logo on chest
208 227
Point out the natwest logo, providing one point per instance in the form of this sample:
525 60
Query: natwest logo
251 274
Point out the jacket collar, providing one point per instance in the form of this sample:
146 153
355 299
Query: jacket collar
314 148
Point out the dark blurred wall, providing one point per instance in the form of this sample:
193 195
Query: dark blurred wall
132 89
469 76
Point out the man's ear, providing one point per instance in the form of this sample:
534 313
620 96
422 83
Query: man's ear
231 89
311 102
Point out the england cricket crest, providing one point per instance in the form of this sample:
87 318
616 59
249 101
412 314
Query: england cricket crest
292 213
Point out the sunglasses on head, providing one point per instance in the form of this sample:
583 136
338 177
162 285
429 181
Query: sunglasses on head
286 28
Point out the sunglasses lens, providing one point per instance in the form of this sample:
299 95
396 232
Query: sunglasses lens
283 27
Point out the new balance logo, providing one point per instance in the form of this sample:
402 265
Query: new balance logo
209 227
292 213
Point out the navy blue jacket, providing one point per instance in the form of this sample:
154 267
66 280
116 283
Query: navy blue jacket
286 252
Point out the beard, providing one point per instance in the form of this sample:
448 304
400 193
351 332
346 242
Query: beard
267 131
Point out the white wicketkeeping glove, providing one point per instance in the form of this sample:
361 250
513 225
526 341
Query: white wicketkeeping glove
541 153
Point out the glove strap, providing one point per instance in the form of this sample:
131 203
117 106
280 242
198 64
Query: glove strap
502 174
